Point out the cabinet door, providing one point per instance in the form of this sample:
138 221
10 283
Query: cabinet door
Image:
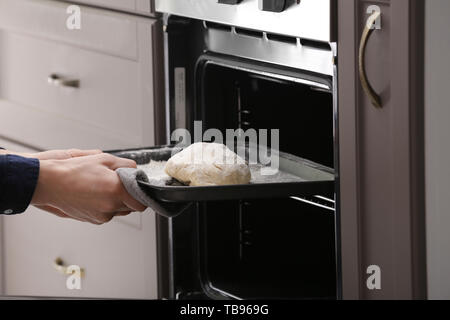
118 258
381 152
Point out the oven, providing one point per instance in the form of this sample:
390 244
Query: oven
253 64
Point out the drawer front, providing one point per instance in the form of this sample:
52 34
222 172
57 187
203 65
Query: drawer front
111 57
118 258
144 7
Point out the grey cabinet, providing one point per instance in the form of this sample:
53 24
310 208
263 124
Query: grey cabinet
117 59
382 152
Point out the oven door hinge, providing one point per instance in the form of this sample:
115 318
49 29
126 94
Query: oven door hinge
334 49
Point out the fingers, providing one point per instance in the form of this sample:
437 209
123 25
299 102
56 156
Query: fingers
114 163
75 153
64 154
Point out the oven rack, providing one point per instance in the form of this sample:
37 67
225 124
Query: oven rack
317 201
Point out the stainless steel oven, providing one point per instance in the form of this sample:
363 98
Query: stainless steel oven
254 64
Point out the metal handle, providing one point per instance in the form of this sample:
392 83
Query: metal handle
60 266
368 89
59 81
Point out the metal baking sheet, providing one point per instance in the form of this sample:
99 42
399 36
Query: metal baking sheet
296 177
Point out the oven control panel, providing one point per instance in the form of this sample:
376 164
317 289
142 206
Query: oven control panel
308 19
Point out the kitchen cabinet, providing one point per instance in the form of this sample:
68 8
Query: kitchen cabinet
437 133
144 7
117 60
382 214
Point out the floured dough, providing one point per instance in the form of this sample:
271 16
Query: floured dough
207 164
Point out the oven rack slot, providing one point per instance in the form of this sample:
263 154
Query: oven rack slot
318 201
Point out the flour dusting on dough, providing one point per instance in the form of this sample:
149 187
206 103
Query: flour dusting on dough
208 164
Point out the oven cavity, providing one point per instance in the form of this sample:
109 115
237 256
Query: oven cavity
232 97
278 247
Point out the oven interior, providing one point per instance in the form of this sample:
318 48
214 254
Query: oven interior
231 98
271 248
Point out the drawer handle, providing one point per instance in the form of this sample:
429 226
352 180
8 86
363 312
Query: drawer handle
60 266
59 81
368 89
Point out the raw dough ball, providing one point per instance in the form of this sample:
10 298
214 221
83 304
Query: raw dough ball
207 164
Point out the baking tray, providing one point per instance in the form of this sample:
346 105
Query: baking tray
297 177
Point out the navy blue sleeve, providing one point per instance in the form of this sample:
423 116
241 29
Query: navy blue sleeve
18 180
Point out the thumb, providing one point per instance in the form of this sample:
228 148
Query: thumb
114 163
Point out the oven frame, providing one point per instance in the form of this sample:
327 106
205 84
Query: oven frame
166 281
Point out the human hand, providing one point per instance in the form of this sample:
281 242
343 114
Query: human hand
54 154
84 188
62 154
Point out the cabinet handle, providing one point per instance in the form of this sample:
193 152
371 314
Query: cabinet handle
59 81
60 266
368 89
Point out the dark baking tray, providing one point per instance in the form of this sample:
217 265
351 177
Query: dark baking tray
316 180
